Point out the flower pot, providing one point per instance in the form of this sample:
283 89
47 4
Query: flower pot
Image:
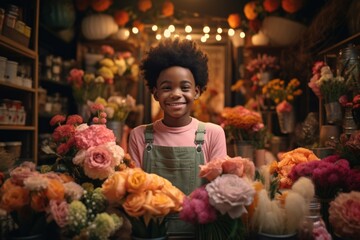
117 127
282 31
265 236
333 112
349 124
286 121
245 150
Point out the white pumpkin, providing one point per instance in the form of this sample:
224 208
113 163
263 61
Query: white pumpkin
98 26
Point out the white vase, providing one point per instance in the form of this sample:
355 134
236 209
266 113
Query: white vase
286 121
282 31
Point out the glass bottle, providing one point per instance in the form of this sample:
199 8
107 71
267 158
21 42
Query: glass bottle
313 226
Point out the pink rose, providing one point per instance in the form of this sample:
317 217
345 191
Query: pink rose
59 211
230 194
98 162
19 174
212 169
233 166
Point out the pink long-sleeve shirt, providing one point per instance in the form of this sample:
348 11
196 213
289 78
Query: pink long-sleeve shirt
214 142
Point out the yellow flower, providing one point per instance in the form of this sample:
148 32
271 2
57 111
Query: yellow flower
107 62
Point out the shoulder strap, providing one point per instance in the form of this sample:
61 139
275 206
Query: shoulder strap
200 133
149 133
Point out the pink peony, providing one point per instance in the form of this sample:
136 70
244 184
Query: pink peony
59 211
344 215
92 136
230 194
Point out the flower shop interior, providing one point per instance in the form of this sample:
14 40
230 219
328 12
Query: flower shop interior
284 84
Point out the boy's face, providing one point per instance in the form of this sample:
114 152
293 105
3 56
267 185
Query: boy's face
176 91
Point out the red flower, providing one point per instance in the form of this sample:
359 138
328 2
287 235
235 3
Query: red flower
57 119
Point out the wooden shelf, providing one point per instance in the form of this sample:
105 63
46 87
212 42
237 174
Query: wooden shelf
15 86
17 48
17 128
334 49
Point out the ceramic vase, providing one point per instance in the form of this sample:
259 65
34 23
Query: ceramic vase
245 150
333 112
117 127
286 121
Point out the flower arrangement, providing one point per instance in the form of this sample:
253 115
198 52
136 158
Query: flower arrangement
290 159
241 124
283 213
325 85
147 199
215 210
344 215
116 72
117 108
87 152
35 199
348 147
328 175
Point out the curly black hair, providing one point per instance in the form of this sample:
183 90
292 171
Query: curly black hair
169 53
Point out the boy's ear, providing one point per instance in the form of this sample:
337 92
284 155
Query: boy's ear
155 94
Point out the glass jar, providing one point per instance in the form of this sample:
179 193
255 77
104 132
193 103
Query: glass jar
313 225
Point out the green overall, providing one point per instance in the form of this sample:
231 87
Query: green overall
180 165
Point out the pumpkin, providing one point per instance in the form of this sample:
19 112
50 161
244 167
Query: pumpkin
250 10
271 5
58 14
144 5
98 26
234 20
167 9
291 6
121 17
100 5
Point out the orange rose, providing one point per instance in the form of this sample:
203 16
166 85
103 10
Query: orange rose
176 196
139 25
250 10
291 6
14 198
134 203
114 187
271 5
38 201
155 182
144 5
121 17
234 20
66 178
167 9
137 180
158 203
55 190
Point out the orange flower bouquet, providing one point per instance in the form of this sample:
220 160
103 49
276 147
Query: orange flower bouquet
146 198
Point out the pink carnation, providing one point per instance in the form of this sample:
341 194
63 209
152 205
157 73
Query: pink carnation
196 208
57 119
94 135
74 120
62 132
76 77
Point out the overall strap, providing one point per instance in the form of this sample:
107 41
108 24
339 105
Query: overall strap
149 136
200 136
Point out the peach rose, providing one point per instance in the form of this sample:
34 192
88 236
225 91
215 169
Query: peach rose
155 182
14 198
55 190
212 169
134 204
158 203
234 166
136 180
38 201
114 187
176 196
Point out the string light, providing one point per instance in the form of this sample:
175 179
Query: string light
167 33
219 30
188 37
218 37
188 29
206 29
231 32
135 30
154 28
171 28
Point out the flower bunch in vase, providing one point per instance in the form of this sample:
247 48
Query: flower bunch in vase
88 153
283 96
348 147
215 210
241 124
147 199
117 108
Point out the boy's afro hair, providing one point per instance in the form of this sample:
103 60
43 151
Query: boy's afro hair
169 53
